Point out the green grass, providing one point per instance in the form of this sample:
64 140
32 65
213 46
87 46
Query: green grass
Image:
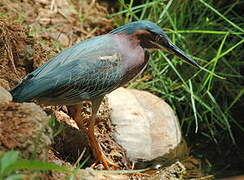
204 98
11 164
12 167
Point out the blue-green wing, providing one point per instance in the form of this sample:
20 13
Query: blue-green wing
85 81
89 49
76 74
74 82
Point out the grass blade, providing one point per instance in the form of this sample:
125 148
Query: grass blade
36 165
221 15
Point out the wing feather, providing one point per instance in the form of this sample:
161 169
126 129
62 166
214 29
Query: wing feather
85 81
83 71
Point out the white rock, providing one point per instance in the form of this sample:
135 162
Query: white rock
5 96
146 126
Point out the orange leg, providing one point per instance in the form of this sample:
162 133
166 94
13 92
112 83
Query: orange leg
100 156
75 111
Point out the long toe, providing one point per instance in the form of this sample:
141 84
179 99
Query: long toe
108 164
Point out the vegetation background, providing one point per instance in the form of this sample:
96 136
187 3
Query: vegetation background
209 101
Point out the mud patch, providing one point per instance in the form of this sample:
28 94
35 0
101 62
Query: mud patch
24 127
64 22
20 54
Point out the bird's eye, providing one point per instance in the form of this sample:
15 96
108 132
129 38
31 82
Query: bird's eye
162 40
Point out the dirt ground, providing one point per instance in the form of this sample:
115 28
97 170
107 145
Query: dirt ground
33 31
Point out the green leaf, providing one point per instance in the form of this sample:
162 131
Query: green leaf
8 159
36 165
15 177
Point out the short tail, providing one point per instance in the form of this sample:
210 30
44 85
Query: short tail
16 92
19 92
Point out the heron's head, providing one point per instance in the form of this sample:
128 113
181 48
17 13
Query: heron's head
151 36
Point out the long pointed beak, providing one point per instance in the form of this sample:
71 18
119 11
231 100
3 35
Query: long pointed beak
181 54
167 45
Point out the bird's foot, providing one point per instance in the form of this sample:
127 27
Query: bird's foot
98 152
102 158
106 162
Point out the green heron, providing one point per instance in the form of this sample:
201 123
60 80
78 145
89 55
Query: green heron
92 68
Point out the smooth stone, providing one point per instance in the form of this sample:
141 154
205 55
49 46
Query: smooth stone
5 96
145 125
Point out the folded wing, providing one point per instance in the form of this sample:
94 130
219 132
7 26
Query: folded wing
71 83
